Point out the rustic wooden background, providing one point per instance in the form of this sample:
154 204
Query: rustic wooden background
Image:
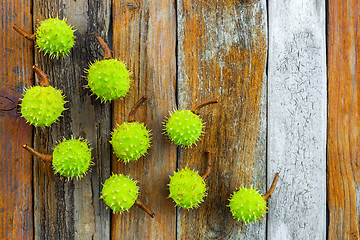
287 77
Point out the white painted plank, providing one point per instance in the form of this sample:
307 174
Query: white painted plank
297 119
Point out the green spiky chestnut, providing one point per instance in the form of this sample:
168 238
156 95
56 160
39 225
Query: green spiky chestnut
248 205
120 193
53 37
42 105
71 158
184 127
187 188
131 140
109 78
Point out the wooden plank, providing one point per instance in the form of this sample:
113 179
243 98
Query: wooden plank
145 37
343 168
72 209
222 47
16 166
297 119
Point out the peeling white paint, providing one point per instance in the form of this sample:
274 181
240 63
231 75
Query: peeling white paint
297 119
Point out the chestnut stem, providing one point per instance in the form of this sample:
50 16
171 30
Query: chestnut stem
30 37
144 207
267 195
44 80
104 46
208 168
133 110
37 154
197 107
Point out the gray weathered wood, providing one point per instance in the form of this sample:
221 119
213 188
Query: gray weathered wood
72 209
222 54
297 119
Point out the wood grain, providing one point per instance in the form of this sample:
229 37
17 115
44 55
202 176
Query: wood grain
145 37
16 221
72 209
297 119
343 166
222 54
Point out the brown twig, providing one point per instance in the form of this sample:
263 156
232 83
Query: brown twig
104 46
197 107
267 195
133 110
37 154
208 167
25 34
144 207
44 80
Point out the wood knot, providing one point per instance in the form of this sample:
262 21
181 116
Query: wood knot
355 236
8 101
6 104
132 6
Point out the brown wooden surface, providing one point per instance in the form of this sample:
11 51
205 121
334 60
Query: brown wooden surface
343 174
72 209
144 37
222 54
16 208
181 53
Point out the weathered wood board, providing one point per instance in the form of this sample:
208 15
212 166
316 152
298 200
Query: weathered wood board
343 168
271 117
72 209
222 51
297 119
145 37
16 206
